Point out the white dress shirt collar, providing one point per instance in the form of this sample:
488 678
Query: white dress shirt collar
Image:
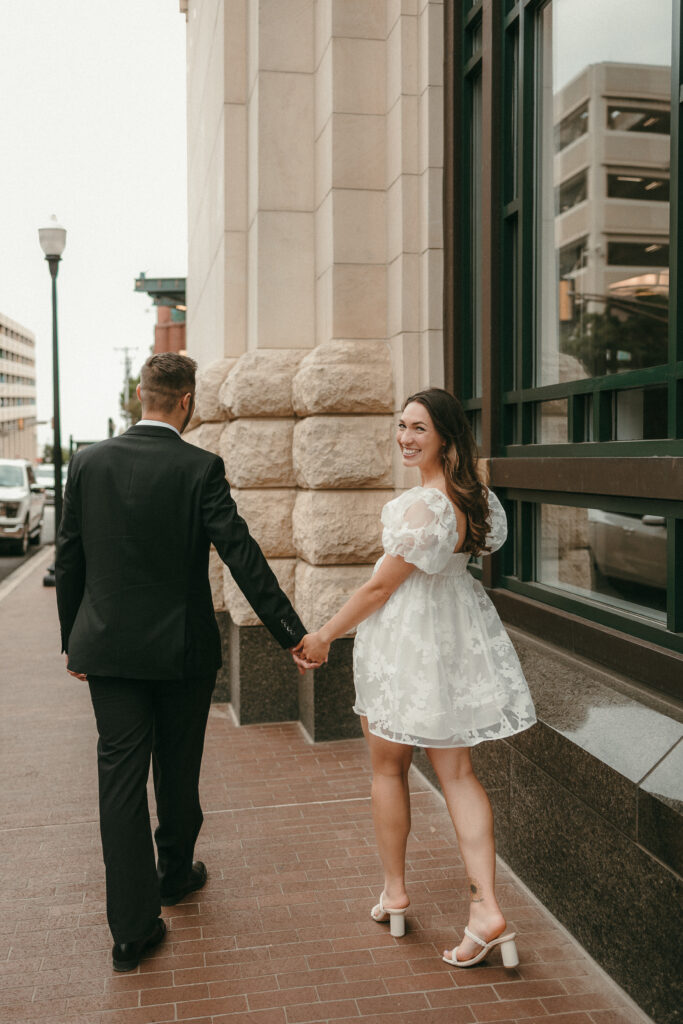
157 423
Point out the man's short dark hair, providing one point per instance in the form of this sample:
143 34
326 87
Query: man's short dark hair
165 378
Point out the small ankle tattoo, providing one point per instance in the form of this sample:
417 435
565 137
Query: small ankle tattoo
476 895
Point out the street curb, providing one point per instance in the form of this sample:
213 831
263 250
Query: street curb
24 571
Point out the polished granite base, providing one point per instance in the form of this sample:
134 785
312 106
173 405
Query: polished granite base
263 677
221 694
326 696
588 806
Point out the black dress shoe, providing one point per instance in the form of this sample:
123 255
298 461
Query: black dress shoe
197 879
127 955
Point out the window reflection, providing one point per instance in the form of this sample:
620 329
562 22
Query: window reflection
602 215
628 118
572 192
616 558
632 185
571 127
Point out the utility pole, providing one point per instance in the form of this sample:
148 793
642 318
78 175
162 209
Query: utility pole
127 366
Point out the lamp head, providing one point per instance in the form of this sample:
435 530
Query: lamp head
52 239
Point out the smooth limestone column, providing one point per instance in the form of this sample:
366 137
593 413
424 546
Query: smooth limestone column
281 173
217 179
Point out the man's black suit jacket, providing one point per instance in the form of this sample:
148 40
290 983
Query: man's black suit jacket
133 593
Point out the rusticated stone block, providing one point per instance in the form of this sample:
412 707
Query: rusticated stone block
344 377
337 527
268 513
206 435
241 612
258 453
216 580
321 590
209 380
343 452
261 383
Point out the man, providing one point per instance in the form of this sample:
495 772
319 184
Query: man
137 621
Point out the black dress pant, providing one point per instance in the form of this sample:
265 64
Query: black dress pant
139 719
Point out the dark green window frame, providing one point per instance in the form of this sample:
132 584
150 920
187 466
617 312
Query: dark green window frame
590 468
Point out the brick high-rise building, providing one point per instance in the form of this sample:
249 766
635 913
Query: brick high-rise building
168 295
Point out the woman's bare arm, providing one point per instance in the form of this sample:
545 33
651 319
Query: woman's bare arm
367 599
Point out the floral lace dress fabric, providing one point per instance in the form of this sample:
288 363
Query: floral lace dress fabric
434 666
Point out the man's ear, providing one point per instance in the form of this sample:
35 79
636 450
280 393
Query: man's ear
186 400
138 392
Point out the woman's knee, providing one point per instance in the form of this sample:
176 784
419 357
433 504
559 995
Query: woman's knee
389 758
453 764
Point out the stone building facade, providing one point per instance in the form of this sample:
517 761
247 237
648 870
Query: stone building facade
314 293
387 194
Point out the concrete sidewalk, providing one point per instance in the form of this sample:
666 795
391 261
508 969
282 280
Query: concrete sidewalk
281 934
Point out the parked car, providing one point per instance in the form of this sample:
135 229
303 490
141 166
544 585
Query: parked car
45 475
628 548
22 501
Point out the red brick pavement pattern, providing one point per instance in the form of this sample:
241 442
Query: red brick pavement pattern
281 934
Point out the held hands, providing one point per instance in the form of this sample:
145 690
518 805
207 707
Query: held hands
314 647
76 675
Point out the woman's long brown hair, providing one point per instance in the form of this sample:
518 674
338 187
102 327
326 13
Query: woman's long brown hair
460 457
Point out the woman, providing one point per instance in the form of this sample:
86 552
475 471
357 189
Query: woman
433 665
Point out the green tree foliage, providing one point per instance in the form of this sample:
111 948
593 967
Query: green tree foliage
626 337
47 454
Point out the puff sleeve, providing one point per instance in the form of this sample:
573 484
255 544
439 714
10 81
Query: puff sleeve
421 527
497 535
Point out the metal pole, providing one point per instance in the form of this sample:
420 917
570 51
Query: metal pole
57 434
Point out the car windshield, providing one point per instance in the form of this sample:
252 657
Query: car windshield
45 473
11 476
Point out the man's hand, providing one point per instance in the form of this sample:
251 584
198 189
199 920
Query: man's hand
302 663
77 675
314 647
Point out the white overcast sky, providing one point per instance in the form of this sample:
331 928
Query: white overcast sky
92 123
625 31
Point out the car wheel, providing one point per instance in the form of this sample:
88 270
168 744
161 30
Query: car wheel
21 546
35 537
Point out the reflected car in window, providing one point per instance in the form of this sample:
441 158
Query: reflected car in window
628 548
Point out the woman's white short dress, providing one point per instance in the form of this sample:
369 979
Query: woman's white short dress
434 666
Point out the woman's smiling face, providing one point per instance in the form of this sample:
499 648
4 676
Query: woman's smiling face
418 439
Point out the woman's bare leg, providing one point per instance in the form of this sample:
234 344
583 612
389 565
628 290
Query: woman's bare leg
472 817
391 811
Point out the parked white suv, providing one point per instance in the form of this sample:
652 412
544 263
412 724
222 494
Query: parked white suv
22 501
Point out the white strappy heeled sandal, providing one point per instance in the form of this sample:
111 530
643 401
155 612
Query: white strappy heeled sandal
396 918
508 949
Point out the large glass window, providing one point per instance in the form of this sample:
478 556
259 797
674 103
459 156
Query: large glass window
615 558
575 282
580 293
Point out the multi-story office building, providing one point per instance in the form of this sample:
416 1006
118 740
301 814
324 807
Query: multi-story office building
17 391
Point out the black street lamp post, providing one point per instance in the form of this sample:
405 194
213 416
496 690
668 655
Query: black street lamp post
52 241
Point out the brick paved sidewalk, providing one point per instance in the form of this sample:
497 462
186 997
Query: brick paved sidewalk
281 934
